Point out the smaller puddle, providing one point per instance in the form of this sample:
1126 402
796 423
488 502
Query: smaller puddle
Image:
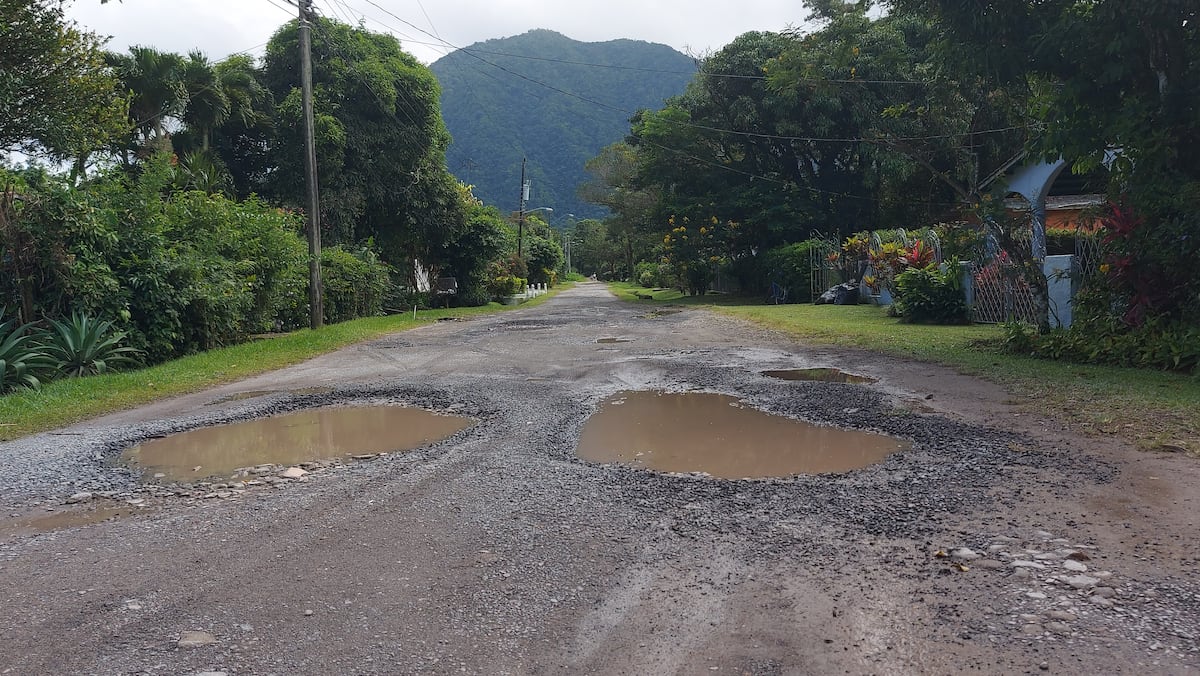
611 341
45 522
304 436
717 434
824 375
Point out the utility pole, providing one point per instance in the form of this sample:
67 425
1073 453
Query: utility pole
521 209
316 310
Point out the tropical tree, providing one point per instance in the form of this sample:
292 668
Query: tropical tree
380 141
56 94
155 83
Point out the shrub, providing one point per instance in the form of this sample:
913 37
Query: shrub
927 295
1158 344
790 267
505 285
353 283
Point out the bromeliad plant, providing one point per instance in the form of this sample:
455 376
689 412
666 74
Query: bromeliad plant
84 346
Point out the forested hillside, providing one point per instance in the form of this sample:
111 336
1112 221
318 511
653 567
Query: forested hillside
552 100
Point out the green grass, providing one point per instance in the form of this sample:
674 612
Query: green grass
63 402
1149 407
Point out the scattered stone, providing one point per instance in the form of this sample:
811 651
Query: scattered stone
1079 556
964 554
1101 601
1022 573
990 564
1075 566
992 549
135 501
293 473
1030 618
1046 556
1037 595
1058 627
1032 629
79 497
1062 616
1045 535
1106 592
212 673
1019 563
196 639
246 627
1081 581
1102 574
365 456
308 613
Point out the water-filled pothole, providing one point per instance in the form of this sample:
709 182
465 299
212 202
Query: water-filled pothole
825 375
45 522
304 436
719 435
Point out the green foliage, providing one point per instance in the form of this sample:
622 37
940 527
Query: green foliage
179 272
790 267
22 360
545 258
1156 344
506 285
354 283
380 142
84 346
490 112
926 295
55 92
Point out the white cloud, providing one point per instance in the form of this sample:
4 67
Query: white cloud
221 27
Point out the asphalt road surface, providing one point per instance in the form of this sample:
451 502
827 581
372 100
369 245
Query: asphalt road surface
1000 542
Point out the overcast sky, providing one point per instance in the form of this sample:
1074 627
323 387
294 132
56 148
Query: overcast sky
223 27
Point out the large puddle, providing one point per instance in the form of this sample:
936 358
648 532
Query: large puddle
824 375
717 434
314 434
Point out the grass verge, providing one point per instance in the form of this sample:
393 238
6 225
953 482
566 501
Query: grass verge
1153 408
63 402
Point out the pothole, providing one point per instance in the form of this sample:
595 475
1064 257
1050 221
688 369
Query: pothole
719 435
304 436
825 375
611 341
71 517
254 394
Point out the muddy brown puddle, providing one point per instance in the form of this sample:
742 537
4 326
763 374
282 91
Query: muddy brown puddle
44 522
718 434
314 434
824 375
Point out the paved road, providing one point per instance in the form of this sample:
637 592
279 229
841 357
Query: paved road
498 552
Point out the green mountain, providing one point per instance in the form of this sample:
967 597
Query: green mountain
552 100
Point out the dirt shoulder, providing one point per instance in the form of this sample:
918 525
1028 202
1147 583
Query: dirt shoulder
1000 543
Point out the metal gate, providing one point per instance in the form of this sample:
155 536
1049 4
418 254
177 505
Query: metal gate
1000 294
823 269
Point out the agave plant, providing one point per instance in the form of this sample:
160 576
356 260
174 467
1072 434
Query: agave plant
21 358
86 346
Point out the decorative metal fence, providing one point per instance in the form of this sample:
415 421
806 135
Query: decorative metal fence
1000 294
824 271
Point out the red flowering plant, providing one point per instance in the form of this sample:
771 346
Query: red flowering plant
1150 267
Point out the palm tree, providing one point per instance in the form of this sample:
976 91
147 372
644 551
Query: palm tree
208 105
157 93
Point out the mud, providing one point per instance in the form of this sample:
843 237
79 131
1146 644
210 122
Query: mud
290 439
721 436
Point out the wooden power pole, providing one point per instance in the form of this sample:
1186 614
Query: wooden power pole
521 212
316 311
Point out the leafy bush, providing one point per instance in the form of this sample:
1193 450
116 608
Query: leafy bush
21 358
1157 344
84 346
790 267
545 256
353 283
927 295
506 285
